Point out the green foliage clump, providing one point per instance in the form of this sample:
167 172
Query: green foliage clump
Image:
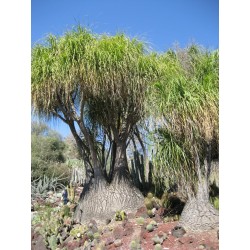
120 215
187 99
215 202
52 241
51 223
77 230
90 235
97 237
65 211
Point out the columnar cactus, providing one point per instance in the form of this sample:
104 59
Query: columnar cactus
71 193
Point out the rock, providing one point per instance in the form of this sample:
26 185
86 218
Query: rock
70 238
142 212
157 218
118 232
73 245
107 221
178 231
109 241
130 215
33 214
161 211
39 244
201 247
64 234
92 223
128 231
58 195
118 243
186 240
154 211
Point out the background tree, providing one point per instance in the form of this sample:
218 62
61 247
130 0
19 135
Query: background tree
97 85
47 152
187 137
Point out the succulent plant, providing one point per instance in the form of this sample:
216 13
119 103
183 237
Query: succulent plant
150 195
148 203
150 213
157 240
140 220
176 217
76 230
134 245
71 193
150 227
162 235
90 235
120 215
41 186
158 247
168 219
52 240
97 236
215 202
65 211
153 222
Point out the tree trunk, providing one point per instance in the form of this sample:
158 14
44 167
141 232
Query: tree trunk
100 200
198 213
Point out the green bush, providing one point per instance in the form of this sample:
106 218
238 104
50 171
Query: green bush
47 152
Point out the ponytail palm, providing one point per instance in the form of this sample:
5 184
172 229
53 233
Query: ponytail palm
188 104
97 84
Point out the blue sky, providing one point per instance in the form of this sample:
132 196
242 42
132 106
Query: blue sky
161 23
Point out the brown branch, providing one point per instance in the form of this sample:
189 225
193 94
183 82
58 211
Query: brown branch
59 116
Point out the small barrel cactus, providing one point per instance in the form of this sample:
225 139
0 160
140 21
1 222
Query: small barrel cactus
157 240
90 235
97 236
150 227
176 217
134 245
140 220
158 247
150 213
148 203
153 222
150 195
